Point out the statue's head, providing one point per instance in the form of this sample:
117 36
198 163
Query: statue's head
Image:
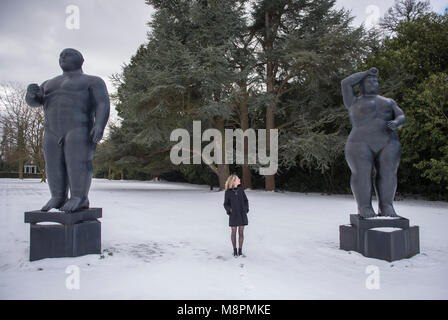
70 59
369 85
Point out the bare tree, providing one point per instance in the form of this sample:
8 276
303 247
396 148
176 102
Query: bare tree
403 10
22 128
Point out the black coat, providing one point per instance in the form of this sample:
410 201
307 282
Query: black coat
236 200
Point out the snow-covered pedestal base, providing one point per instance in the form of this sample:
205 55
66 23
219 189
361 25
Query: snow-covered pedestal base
382 238
60 234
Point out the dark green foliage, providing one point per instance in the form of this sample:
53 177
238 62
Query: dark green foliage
314 48
183 73
199 57
203 57
403 10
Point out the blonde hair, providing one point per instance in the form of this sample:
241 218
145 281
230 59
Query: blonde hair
230 182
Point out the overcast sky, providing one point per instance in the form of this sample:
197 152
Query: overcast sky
33 32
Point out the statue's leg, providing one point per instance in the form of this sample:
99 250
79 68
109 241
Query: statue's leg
78 150
55 171
386 167
360 160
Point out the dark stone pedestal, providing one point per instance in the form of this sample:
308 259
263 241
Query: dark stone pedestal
361 236
74 234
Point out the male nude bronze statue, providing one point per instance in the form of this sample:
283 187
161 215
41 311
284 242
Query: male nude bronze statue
76 108
372 143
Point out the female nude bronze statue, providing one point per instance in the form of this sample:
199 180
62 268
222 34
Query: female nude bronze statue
372 143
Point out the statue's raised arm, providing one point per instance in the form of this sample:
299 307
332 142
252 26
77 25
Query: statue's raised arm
348 84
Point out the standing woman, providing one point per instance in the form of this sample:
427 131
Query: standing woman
237 207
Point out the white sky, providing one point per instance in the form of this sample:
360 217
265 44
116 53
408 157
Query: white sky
32 34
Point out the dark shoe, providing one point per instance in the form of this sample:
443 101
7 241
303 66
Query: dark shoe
235 253
240 252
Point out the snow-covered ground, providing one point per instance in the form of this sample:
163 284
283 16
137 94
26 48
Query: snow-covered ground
172 241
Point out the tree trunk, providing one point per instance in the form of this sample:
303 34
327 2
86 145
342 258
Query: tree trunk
247 177
244 116
109 174
40 161
21 169
269 179
121 175
21 150
223 168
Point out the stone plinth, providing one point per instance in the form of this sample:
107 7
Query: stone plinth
382 238
60 234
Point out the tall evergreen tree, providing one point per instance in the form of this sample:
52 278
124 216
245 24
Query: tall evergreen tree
184 73
305 48
210 61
